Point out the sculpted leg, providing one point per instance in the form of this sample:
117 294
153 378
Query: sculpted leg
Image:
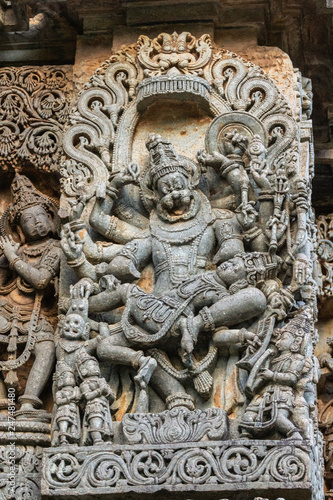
116 349
231 310
239 307
170 389
39 374
285 426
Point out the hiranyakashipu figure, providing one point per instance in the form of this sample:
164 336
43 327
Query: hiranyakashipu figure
226 295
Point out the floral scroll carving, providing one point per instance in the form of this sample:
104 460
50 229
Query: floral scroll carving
34 105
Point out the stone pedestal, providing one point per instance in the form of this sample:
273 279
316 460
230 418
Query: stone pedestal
216 469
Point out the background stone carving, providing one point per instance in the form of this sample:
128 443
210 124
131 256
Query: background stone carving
34 106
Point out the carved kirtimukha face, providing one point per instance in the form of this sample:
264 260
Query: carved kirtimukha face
174 193
35 223
231 271
74 327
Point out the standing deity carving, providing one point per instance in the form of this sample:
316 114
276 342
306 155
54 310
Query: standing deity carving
29 281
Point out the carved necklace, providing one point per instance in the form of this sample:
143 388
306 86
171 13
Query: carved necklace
37 250
71 345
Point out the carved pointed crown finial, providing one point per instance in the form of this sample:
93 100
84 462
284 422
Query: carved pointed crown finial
164 159
25 195
299 328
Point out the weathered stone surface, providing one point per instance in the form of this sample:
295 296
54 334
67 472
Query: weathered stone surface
187 338
189 159
218 469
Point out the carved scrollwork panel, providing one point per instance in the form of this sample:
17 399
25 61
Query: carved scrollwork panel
34 106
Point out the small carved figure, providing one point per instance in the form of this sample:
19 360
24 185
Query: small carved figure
274 386
66 423
97 422
75 330
28 278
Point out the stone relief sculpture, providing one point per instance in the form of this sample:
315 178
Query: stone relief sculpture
186 332
325 253
29 274
324 250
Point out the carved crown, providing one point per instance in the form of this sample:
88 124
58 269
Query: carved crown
259 266
164 159
25 195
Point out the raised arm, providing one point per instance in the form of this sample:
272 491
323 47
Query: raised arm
133 257
4 269
228 235
72 246
101 218
38 277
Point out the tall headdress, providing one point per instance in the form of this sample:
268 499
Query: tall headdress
25 195
299 328
164 159
80 306
259 266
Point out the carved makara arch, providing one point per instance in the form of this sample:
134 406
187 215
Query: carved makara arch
100 130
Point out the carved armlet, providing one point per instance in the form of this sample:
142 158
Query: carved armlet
109 233
266 195
129 254
229 166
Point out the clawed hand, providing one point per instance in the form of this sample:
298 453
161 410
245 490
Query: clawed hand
214 160
247 215
109 283
234 143
266 374
82 290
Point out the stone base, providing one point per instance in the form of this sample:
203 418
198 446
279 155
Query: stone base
216 469
179 425
26 432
